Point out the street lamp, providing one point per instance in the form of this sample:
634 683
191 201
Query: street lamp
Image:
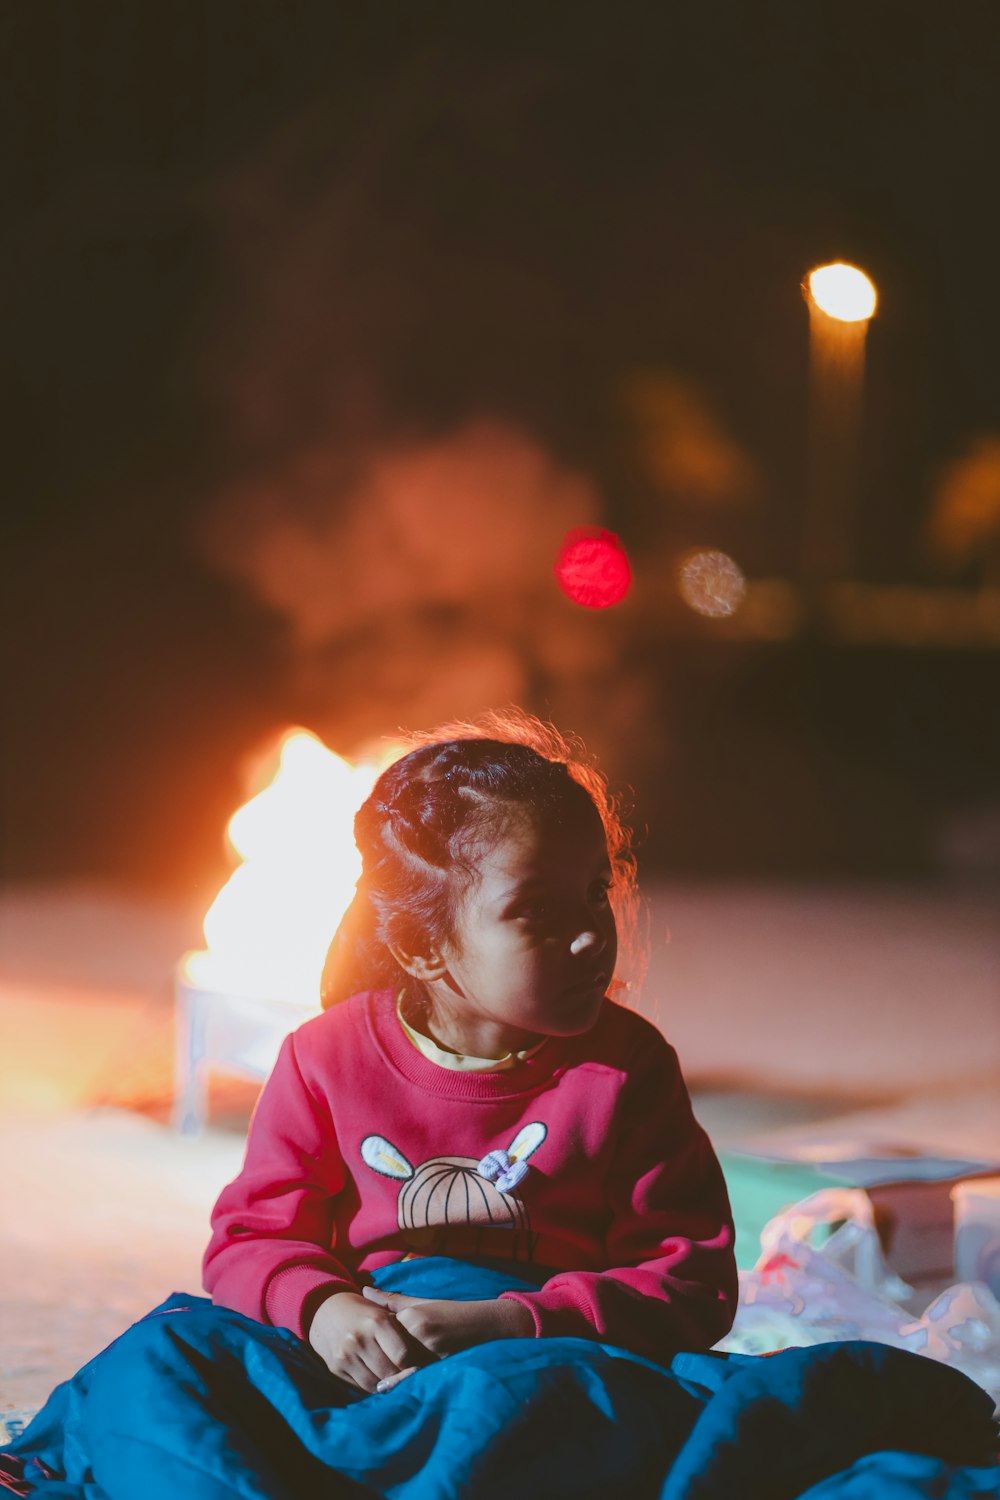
842 292
841 300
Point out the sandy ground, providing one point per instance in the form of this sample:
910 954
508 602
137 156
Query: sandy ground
867 1012
106 1214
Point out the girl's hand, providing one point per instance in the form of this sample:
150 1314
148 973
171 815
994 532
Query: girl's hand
444 1327
363 1343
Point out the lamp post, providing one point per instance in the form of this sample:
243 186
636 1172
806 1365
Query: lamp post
841 300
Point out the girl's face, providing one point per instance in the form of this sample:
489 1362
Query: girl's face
534 945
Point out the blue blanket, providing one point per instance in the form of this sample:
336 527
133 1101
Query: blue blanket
199 1401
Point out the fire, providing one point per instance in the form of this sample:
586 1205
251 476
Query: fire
268 930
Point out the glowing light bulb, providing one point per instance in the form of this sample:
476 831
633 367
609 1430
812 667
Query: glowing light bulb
842 292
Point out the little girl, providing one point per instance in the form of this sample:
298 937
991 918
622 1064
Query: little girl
473 1144
478 1096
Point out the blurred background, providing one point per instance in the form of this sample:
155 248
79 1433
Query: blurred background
325 324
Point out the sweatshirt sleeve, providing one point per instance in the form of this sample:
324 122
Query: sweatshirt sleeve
671 1282
273 1231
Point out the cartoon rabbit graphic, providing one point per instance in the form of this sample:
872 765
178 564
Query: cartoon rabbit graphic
445 1194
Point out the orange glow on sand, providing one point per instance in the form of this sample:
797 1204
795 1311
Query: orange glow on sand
592 568
268 930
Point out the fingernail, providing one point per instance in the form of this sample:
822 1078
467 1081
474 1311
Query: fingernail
382 1385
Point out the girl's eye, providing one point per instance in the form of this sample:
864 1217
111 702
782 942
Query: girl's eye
536 911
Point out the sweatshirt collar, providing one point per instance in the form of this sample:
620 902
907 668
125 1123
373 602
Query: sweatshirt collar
527 1077
460 1062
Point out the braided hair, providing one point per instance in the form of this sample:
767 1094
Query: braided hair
427 815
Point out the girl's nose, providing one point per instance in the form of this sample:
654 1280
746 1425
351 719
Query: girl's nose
590 939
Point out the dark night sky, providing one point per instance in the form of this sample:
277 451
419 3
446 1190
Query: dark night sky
236 233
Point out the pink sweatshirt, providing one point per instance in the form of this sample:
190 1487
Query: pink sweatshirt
362 1151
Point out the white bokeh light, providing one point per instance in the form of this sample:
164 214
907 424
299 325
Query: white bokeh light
711 583
843 292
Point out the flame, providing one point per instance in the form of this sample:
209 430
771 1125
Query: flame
268 930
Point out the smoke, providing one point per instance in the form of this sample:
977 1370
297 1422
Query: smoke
468 523
416 584
401 316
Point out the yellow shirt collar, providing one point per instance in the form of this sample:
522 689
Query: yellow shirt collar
457 1061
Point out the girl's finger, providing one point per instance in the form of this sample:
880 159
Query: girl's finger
427 1334
393 1300
371 1365
375 1365
396 1348
387 1384
367 1363
357 1373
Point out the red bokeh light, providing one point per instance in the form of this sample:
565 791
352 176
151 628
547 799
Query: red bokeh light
592 568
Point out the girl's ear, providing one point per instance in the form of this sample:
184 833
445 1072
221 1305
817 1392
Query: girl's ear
421 963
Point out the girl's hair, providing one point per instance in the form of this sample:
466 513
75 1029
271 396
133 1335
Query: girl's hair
430 811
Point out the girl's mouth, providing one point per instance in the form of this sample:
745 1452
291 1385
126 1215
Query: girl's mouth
589 985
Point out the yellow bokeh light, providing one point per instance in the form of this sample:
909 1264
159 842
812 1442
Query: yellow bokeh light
842 292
